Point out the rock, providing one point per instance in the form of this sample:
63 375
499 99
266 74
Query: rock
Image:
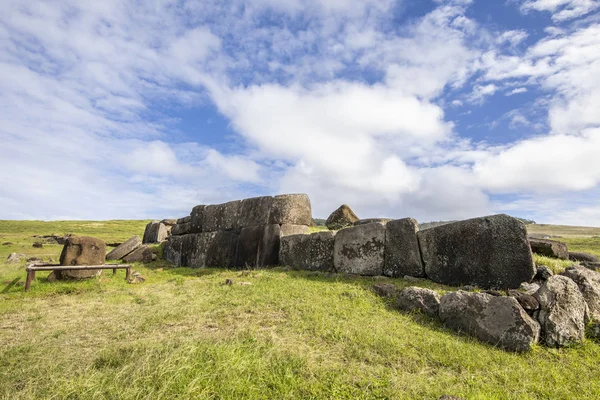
588 282
34 260
529 288
468 288
594 266
415 298
499 321
543 273
494 292
222 250
197 218
490 252
341 218
402 254
136 277
155 232
82 250
194 249
169 221
372 220
549 248
141 254
255 211
527 301
51 277
388 290
172 250
121 251
14 258
360 249
562 311
258 246
181 229
288 229
580 256
6 243
38 245
229 281
308 252
292 209
221 217
185 220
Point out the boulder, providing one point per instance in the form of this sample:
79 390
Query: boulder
141 254
194 249
14 258
588 282
489 252
172 250
594 266
402 254
255 211
543 273
562 311
258 246
169 221
182 229
549 248
289 229
185 220
415 298
122 250
197 218
388 290
371 220
221 217
341 218
308 252
155 232
581 256
222 250
82 250
527 301
499 321
360 249
292 209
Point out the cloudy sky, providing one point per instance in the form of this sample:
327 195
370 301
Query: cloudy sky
426 108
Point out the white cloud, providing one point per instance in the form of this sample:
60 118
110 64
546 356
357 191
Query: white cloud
480 92
561 10
518 90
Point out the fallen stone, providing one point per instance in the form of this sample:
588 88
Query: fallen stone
34 260
360 250
6 243
229 281
562 311
580 256
289 229
38 245
415 298
529 288
308 252
258 246
136 278
527 301
181 229
372 220
499 321
490 252
588 282
402 254
155 232
255 211
549 248
121 251
594 266
343 217
543 273
388 290
292 209
82 250
141 254
14 258
221 217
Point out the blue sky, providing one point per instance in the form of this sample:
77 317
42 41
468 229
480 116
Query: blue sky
430 109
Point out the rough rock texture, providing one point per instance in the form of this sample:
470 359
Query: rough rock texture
14 258
155 232
388 290
402 254
194 249
594 266
182 229
289 229
221 217
562 311
82 250
543 273
258 246
549 248
141 254
172 250
489 252
341 218
372 220
185 220
581 256
197 218
527 301
169 221
499 321
308 252
292 209
222 250
122 250
415 298
360 249
255 211
588 282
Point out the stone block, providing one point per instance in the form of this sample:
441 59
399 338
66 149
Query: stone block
360 249
292 209
258 246
341 218
221 217
194 249
402 254
222 250
182 229
155 232
172 250
549 248
255 211
197 218
82 250
308 252
122 250
289 229
141 254
185 220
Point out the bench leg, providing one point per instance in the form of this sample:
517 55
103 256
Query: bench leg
28 280
128 272
114 271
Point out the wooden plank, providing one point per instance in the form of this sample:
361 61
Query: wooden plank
75 267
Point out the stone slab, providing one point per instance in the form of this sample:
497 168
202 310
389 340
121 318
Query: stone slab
402 253
360 249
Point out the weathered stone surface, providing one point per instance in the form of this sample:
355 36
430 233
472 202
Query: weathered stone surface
289 229
581 256
529 288
490 252
197 218
222 250
527 301
122 250
549 248
360 249
588 282
341 218
543 273
402 254
594 266
14 258
172 250
155 232
415 298
308 252
255 211
388 290
194 249
169 221
185 220
499 321
562 311
292 209
182 229
82 250
141 254
221 217
258 246
372 220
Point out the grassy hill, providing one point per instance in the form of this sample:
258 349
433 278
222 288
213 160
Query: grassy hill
272 334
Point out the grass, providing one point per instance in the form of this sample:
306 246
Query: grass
289 334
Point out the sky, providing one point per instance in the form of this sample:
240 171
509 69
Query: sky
432 109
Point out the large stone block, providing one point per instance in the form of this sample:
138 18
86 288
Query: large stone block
194 249
497 320
308 252
221 217
549 248
222 250
341 218
255 211
197 218
172 250
181 229
125 248
402 254
418 299
141 254
258 246
489 252
289 229
360 249
155 232
292 209
82 250
185 220
588 282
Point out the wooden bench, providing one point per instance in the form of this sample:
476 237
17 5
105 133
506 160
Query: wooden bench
32 268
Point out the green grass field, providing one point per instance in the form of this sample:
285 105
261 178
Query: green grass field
285 335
